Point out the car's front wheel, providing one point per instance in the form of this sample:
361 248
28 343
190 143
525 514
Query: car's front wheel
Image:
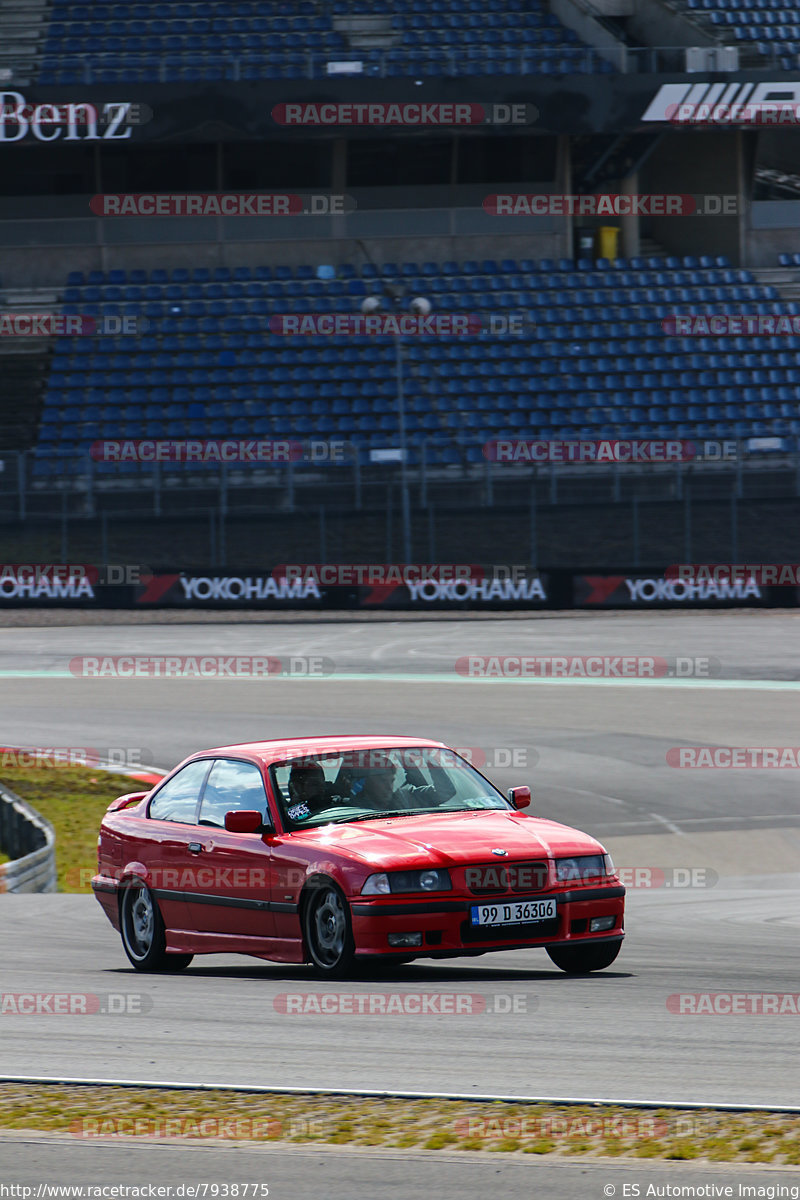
581 959
328 931
142 929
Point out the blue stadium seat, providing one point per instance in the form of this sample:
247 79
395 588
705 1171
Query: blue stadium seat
214 366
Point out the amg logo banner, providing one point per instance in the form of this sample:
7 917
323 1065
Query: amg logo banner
772 103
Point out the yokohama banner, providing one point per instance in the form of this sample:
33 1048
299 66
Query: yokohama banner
389 586
654 590
350 585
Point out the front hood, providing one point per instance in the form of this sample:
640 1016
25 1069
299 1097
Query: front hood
451 839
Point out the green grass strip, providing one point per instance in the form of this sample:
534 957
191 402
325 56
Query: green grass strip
73 800
93 1113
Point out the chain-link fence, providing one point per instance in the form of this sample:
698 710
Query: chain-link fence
563 514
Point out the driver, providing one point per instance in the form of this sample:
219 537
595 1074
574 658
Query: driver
307 788
375 788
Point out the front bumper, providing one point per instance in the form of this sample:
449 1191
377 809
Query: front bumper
446 927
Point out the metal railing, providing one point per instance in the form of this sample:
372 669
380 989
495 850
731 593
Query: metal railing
446 461
383 63
30 843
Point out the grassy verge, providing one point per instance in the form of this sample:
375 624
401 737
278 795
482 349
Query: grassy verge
73 800
540 1129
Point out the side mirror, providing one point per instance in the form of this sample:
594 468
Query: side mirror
244 820
520 797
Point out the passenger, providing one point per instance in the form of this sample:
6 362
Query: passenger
376 788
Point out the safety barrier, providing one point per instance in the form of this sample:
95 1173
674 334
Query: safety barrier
30 843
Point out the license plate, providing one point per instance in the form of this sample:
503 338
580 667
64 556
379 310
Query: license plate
517 912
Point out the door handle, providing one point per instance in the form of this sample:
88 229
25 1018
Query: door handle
195 847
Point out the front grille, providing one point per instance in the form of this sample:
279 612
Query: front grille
502 879
529 932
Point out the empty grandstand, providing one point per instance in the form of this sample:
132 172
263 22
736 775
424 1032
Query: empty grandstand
418 115
594 361
133 43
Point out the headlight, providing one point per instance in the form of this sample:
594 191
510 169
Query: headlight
407 881
584 868
376 885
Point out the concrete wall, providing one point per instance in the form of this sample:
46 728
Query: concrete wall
654 24
774 230
367 200
396 224
42 266
703 162
579 18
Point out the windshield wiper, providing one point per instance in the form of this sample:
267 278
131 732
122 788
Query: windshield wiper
403 812
391 812
473 810
379 816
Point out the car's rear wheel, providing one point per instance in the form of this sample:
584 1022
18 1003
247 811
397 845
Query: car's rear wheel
581 959
142 929
328 931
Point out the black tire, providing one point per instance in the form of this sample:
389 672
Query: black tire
328 931
142 929
581 959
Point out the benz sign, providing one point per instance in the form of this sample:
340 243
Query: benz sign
79 122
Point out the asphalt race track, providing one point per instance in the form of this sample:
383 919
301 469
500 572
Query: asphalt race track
596 758
341 1174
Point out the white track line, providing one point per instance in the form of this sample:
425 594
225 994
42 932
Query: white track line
260 1089
560 787
670 825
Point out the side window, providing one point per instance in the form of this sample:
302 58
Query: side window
177 800
232 785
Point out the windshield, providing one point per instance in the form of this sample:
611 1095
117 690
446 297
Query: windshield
364 785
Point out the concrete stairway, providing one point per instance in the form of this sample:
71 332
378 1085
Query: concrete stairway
24 369
23 28
786 280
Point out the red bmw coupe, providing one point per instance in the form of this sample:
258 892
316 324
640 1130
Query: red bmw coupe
348 847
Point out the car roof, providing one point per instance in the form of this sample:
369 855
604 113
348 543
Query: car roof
278 749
